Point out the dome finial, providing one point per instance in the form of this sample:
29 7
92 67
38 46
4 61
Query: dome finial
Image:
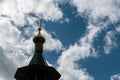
39 25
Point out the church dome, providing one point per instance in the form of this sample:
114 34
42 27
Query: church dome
39 38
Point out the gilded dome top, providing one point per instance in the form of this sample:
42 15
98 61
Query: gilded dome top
39 37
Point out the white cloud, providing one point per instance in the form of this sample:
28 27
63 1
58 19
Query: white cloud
6 65
65 20
67 66
98 9
62 1
17 11
118 29
51 43
17 23
10 36
54 12
16 50
115 77
110 41
100 14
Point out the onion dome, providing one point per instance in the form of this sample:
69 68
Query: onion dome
39 38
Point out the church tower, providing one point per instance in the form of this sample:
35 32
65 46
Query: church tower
37 68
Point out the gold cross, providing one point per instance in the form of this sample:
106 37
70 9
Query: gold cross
39 26
39 23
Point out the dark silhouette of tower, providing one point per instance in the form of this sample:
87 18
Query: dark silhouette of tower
37 68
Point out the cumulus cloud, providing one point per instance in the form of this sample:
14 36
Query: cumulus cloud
11 49
99 9
16 49
6 65
16 22
51 43
99 14
76 52
110 41
118 29
18 10
115 77
17 27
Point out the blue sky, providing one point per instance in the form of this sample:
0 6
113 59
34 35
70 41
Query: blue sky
82 37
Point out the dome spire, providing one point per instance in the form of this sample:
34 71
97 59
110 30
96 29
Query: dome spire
39 39
39 26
